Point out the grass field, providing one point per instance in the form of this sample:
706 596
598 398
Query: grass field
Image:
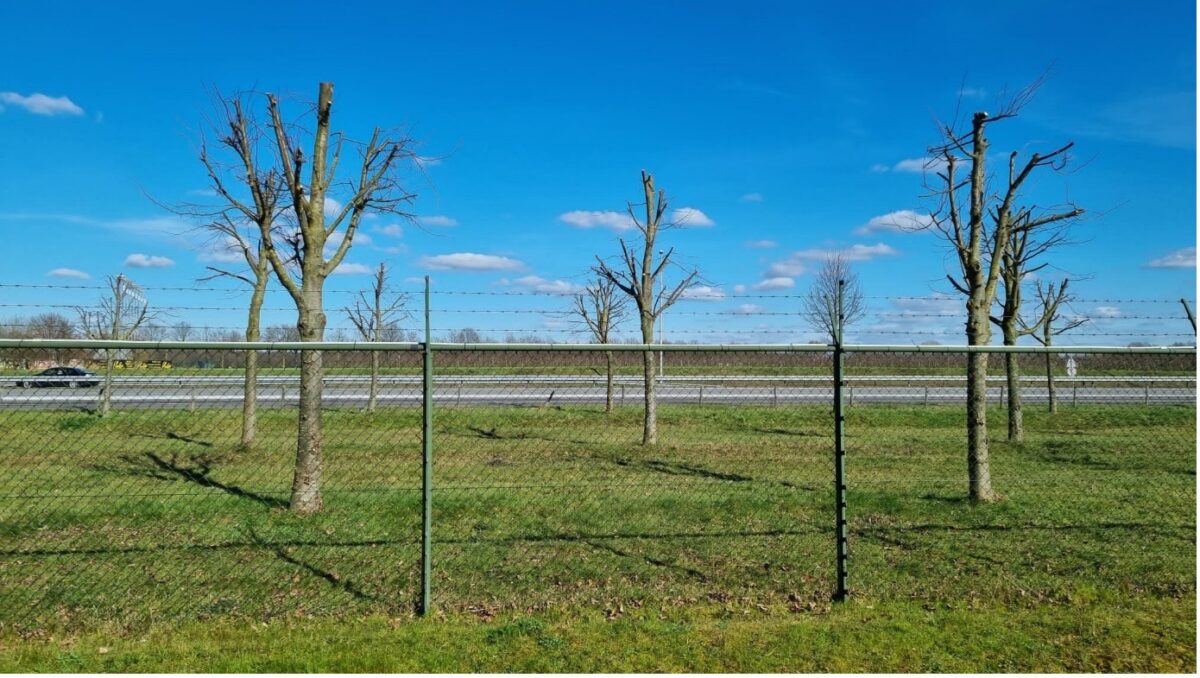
562 544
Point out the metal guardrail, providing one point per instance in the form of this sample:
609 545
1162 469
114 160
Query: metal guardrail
667 348
416 379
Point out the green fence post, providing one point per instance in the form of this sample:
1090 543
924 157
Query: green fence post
426 461
839 449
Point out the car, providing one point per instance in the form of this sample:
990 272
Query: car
71 377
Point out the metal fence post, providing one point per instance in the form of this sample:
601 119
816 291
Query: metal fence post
839 452
426 462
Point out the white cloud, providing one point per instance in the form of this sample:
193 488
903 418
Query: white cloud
748 309
912 166
852 253
704 293
68 273
691 217
1184 258
394 249
1108 312
751 197
470 261
972 92
332 207
592 219
776 283
424 161
438 220
920 165
787 268
40 104
761 244
795 264
739 289
540 284
394 230
345 268
137 260
900 221
224 251
335 240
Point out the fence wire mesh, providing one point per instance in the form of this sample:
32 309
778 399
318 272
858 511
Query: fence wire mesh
1100 494
158 510
542 496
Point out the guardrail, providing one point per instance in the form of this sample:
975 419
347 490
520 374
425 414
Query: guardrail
415 379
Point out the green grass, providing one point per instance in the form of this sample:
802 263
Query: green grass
151 534
1121 635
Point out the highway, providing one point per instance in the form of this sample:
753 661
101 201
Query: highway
199 392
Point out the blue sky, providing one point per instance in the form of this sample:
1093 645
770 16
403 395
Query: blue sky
787 124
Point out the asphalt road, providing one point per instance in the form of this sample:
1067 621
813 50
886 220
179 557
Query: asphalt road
206 396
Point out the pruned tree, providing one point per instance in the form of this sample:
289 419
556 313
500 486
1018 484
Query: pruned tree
250 188
376 317
1046 326
600 310
117 316
307 235
1023 255
819 306
638 276
991 220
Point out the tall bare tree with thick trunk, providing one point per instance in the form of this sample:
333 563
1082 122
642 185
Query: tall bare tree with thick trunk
376 318
117 317
1022 257
637 276
601 310
320 220
820 307
975 238
1046 326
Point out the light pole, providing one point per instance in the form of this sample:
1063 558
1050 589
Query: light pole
662 290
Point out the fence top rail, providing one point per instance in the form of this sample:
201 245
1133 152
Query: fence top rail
668 348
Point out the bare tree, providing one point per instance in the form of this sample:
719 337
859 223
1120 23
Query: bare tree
638 276
992 218
117 317
319 220
820 304
181 330
251 191
1022 256
600 310
1045 327
50 326
374 318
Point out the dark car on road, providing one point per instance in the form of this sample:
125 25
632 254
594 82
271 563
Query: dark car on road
71 377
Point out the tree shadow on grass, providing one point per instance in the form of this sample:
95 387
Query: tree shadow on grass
685 469
657 562
281 552
196 470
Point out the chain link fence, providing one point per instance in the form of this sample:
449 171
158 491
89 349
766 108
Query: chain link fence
542 493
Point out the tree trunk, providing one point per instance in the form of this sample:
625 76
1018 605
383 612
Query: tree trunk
374 388
306 483
1012 368
106 391
978 469
650 431
608 385
250 388
1051 389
